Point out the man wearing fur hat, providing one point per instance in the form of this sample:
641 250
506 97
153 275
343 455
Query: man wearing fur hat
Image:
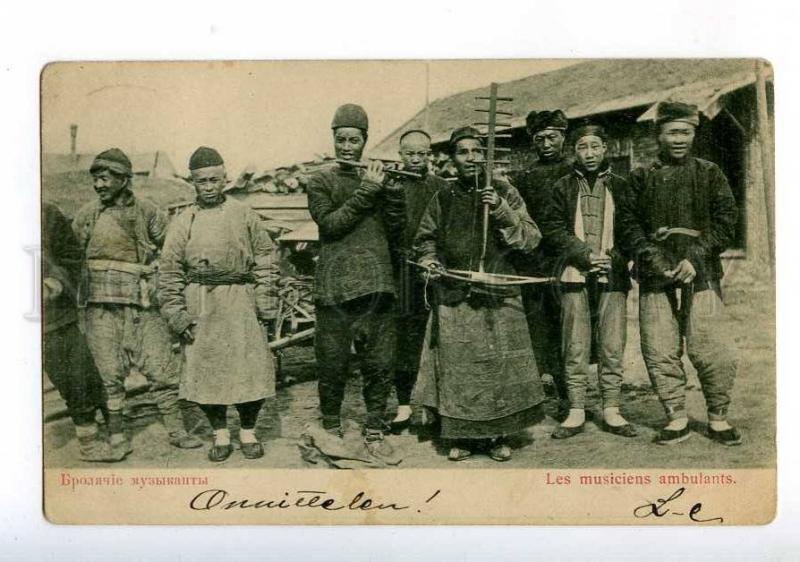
682 216
580 226
542 302
120 237
358 213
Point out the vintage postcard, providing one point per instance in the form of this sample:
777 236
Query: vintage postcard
409 292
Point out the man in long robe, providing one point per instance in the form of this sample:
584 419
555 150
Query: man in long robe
477 370
412 313
218 278
120 237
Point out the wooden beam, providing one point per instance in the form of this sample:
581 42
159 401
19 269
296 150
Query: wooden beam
767 160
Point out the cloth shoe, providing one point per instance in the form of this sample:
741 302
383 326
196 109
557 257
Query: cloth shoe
218 453
728 437
252 450
672 436
379 448
121 446
93 449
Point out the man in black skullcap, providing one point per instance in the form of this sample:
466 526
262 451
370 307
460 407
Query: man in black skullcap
358 213
580 226
217 278
477 370
542 302
120 236
415 152
681 217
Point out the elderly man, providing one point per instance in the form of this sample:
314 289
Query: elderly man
681 216
218 278
415 152
120 236
477 369
547 130
66 358
580 226
357 215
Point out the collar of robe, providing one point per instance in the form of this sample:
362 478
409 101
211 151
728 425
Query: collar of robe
210 204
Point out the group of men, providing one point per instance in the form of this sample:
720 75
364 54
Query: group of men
564 240
188 304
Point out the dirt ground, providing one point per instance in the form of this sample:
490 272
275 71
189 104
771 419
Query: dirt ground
283 418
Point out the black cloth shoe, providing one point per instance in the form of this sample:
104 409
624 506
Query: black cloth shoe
626 430
671 436
729 437
218 453
252 450
397 427
562 432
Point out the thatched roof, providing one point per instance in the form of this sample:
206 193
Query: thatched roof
153 164
589 88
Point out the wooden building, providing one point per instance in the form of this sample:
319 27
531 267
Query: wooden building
622 95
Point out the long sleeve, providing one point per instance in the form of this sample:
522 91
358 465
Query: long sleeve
335 222
635 244
157 227
424 247
265 267
558 229
514 225
724 215
395 216
172 276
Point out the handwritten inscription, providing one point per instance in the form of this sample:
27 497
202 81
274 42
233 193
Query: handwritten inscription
218 499
669 506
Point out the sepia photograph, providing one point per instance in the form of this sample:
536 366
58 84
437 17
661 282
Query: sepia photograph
273 290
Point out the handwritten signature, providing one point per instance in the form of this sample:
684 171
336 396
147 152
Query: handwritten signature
662 507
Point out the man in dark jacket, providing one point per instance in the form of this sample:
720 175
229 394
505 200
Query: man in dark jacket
682 216
542 303
412 314
580 225
66 358
357 215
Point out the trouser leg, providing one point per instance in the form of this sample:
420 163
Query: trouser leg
375 343
152 353
611 337
711 351
543 314
248 413
661 350
105 327
410 335
216 414
577 344
332 342
70 367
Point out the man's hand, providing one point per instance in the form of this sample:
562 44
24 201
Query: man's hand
187 336
51 288
601 263
490 197
683 273
433 271
375 173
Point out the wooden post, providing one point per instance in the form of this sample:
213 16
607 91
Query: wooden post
767 160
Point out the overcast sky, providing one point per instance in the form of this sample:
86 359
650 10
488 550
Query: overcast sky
261 113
